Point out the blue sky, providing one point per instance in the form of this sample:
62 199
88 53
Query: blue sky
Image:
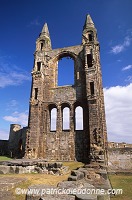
20 25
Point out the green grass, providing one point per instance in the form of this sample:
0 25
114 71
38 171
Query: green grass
4 158
73 165
123 182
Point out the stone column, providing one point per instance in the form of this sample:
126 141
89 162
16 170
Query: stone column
72 118
72 134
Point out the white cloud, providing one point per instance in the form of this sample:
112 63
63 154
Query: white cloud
121 47
127 67
117 49
19 118
118 106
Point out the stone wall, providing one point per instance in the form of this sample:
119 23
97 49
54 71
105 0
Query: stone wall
4 148
120 159
22 166
119 145
17 141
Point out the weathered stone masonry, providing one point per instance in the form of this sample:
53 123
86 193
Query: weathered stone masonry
82 145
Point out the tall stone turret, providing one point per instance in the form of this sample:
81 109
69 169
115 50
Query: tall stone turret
94 91
43 43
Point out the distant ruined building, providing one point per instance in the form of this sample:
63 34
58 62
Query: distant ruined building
84 99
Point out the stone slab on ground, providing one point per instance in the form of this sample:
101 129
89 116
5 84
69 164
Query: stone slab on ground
7 183
104 197
75 185
52 197
70 185
86 197
46 192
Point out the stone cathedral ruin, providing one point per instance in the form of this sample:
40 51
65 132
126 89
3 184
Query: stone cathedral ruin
53 135
46 95
87 143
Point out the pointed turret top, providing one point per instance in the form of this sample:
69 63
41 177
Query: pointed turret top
45 30
88 22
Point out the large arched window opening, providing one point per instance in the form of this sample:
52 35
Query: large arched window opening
65 71
79 118
66 118
53 119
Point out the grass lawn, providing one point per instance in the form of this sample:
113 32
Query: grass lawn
122 182
73 165
4 158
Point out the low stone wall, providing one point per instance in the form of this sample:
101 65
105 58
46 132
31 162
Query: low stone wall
120 159
38 166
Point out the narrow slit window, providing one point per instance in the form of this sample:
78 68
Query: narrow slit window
89 60
41 45
92 88
90 37
36 93
53 119
79 118
78 75
66 118
38 66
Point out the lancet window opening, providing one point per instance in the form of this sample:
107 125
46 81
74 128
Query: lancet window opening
53 119
66 118
79 118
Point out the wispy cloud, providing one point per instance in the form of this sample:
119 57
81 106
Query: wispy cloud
121 47
12 105
34 22
129 79
127 67
11 75
13 78
18 117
